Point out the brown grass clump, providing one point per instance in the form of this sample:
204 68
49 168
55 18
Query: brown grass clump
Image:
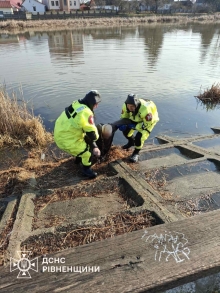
113 225
18 126
210 97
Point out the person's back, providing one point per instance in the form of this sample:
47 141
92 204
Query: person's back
72 127
70 131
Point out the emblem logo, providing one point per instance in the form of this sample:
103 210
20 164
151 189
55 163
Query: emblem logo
24 264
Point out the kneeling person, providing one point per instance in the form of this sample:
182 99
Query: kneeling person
140 115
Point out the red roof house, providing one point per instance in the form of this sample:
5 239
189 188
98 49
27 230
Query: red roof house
10 5
5 4
15 3
5 7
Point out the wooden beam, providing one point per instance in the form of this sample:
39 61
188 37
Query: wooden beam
160 258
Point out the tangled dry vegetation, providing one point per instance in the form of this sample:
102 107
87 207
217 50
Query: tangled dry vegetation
210 98
18 126
52 172
105 21
113 225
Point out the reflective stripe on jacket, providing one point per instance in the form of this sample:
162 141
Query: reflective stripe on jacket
146 118
69 133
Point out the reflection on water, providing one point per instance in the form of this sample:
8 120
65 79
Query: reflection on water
65 45
166 63
111 33
208 105
153 38
210 36
8 39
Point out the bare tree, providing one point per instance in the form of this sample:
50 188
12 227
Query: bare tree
214 4
121 4
155 4
99 3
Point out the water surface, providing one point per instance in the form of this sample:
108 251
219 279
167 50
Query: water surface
166 63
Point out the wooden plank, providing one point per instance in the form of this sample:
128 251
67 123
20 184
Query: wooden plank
129 263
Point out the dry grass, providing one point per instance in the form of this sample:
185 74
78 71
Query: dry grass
105 21
18 126
113 225
210 97
53 172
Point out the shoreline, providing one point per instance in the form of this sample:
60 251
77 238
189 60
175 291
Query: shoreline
76 23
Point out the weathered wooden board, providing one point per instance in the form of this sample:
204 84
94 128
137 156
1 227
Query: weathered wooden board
134 262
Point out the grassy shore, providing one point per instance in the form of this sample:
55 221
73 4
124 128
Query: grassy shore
107 21
18 125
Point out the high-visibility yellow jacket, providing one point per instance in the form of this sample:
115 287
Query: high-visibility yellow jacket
146 118
69 133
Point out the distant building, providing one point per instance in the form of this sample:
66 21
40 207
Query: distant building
62 5
6 7
200 2
106 7
33 6
165 7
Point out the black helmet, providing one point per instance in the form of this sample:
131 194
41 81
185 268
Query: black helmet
93 97
132 100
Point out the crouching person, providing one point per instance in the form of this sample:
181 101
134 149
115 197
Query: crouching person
75 126
137 115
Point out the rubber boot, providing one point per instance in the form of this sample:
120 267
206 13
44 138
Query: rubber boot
129 144
135 156
78 160
88 172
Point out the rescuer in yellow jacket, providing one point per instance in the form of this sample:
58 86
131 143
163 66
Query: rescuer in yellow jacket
76 133
137 115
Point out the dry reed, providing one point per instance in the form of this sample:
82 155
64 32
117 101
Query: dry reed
18 126
105 21
210 97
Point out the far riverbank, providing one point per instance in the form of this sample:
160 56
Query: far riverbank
51 24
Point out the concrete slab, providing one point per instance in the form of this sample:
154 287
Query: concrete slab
178 173
166 157
194 186
3 206
167 161
23 221
6 210
193 167
82 208
210 144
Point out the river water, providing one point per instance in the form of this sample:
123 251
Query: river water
169 64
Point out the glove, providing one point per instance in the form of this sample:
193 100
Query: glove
128 126
122 127
96 152
131 126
